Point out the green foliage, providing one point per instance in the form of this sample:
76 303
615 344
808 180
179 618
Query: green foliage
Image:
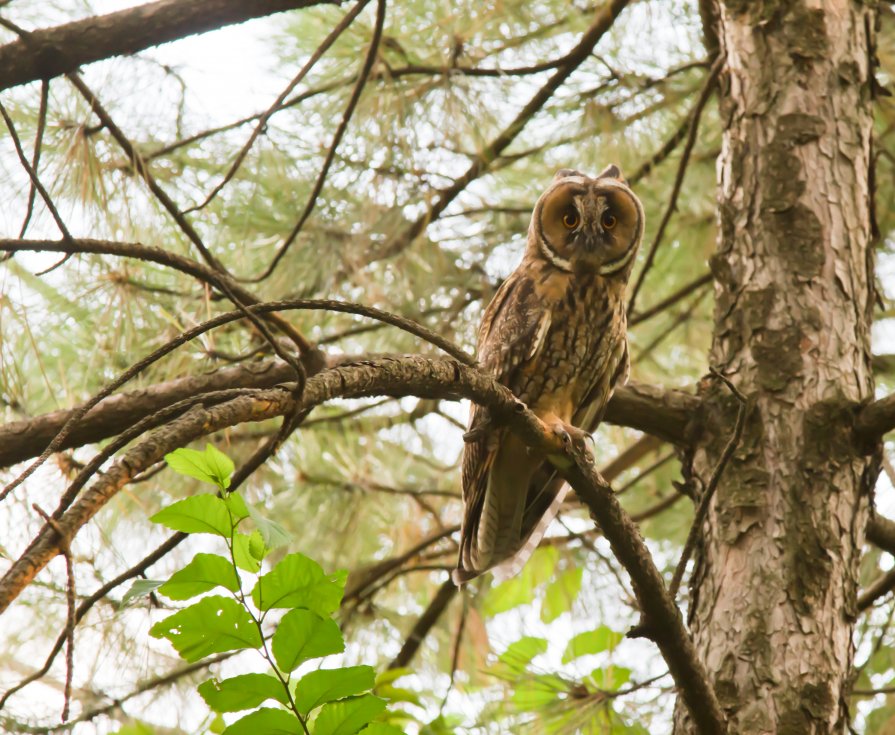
212 465
334 701
592 641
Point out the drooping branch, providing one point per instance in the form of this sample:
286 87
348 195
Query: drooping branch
425 378
50 52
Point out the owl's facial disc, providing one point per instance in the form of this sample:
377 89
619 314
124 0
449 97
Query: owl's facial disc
589 224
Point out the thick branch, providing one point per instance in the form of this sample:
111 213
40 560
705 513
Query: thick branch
876 419
424 378
661 413
50 52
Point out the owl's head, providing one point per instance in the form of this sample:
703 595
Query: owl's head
583 224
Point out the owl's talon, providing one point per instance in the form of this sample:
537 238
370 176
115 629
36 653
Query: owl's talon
572 438
473 435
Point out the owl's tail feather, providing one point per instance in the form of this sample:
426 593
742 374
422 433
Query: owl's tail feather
513 565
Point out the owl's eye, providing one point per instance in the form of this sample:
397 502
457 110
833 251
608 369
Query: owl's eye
609 221
571 219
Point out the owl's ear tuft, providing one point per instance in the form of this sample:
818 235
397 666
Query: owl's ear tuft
564 172
611 172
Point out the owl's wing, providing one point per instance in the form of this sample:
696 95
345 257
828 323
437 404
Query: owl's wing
514 329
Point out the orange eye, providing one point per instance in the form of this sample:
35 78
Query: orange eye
609 221
571 219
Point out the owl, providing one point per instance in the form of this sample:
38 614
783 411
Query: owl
554 334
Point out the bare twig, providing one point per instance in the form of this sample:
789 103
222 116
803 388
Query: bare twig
32 174
278 103
707 90
65 550
702 509
669 301
337 138
424 624
35 157
105 118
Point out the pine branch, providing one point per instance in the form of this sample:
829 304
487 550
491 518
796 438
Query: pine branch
50 52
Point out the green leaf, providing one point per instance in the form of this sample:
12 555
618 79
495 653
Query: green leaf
591 641
348 716
244 548
212 625
273 533
327 685
212 465
242 692
197 514
203 573
266 721
300 582
302 635
141 588
561 593
236 505
519 654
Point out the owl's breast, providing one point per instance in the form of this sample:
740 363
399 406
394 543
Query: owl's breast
581 348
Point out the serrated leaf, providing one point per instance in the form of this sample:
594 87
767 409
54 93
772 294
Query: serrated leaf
591 641
297 581
520 653
302 635
348 716
203 573
273 533
241 692
561 593
141 588
212 465
212 625
266 721
243 545
221 465
328 685
197 514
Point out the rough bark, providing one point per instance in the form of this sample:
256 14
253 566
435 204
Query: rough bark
50 52
774 587
665 414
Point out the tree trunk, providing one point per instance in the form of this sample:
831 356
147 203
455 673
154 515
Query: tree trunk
774 586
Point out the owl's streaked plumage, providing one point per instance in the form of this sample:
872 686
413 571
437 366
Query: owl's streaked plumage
554 334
